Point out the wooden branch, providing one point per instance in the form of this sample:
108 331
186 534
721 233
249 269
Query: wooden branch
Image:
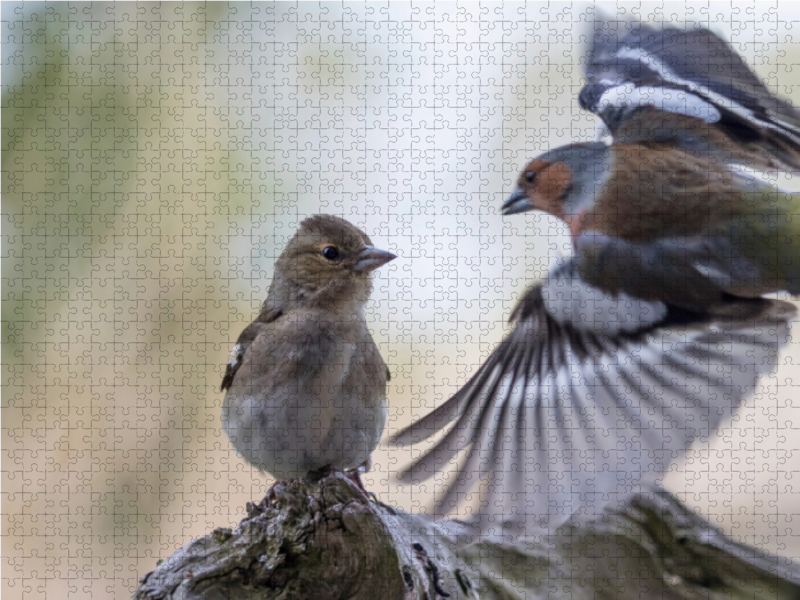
323 539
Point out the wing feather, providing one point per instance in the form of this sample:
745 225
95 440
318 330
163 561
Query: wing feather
561 418
692 75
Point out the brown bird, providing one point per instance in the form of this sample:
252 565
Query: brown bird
306 384
655 330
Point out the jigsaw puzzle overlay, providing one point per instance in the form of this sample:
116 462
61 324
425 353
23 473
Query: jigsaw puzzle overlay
156 161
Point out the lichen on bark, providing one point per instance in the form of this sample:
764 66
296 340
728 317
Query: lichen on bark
323 538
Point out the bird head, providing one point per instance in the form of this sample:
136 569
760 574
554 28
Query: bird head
328 260
561 182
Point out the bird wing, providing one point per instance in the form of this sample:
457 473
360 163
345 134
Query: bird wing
686 75
696 273
754 253
243 344
590 395
298 347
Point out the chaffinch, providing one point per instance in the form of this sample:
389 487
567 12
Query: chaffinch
306 384
658 223
654 332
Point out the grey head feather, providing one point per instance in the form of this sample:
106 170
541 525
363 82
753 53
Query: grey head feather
590 164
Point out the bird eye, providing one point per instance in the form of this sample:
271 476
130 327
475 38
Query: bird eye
530 176
330 252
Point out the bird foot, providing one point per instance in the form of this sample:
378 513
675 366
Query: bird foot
355 477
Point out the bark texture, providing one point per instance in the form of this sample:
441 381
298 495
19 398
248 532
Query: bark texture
323 539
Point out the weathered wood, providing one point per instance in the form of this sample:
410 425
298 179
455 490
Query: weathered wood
324 539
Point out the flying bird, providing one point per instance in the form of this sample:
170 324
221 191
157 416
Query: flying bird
305 382
654 331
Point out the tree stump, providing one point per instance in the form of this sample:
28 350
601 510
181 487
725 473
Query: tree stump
322 538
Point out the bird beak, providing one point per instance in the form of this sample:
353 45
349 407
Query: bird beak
517 202
370 258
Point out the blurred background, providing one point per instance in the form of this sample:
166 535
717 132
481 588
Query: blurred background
156 157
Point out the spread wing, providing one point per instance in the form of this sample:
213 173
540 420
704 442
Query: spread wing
590 395
704 91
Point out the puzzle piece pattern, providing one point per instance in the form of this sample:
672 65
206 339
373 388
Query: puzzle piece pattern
156 159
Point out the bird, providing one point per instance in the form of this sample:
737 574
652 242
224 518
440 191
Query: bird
655 329
305 383
663 224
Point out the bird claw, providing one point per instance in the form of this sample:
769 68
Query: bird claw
355 477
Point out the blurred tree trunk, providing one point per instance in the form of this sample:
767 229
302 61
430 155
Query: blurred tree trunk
323 539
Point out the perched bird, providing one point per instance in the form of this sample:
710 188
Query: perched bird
656 329
306 384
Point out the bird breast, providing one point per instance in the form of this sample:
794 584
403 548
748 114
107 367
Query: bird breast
653 192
